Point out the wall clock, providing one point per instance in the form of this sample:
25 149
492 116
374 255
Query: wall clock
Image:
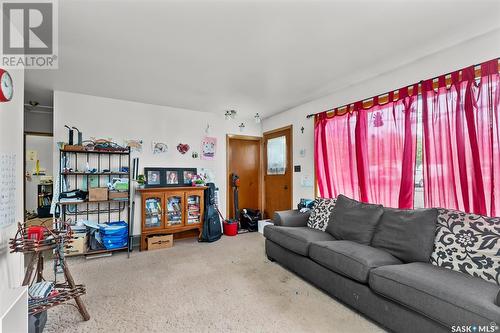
6 86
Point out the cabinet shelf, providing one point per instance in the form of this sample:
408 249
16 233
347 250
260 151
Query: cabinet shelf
105 250
92 202
118 173
177 209
118 152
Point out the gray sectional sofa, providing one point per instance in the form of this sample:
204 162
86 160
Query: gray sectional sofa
401 292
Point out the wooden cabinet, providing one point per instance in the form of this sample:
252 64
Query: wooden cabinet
171 210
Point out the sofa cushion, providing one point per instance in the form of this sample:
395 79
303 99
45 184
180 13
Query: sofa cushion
353 220
446 296
320 213
468 243
349 258
296 239
407 234
291 218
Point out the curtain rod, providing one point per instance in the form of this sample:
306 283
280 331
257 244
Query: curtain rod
386 93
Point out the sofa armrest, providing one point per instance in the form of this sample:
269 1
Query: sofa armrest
498 298
291 218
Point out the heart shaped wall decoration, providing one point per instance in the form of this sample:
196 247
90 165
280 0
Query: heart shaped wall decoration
182 148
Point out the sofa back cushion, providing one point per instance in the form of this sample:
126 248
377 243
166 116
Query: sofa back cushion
320 213
407 234
468 243
353 220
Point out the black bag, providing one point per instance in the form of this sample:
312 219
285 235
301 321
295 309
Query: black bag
212 229
249 219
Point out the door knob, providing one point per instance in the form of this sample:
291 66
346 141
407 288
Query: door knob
286 187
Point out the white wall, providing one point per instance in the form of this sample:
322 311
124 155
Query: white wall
39 121
11 142
465 54
43 147
118 119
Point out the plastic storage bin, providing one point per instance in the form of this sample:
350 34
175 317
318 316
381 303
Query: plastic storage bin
114 234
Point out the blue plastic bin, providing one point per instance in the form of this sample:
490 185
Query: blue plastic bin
114 234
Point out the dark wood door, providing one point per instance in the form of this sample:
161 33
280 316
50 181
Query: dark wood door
244 159
278 170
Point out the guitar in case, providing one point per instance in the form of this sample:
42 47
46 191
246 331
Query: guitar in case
212 230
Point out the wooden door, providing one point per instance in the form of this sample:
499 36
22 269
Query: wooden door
153 217
244 159
278 170
174 209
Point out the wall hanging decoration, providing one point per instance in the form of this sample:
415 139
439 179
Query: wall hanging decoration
134 145
7 189
207 174
208 148
183 148
194 154
159 147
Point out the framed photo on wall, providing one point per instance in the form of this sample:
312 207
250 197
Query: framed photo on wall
188 176
154 177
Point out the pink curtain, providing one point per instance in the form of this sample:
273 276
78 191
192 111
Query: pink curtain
461 141
369 154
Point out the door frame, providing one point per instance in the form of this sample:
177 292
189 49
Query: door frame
25 134
230 137
290 154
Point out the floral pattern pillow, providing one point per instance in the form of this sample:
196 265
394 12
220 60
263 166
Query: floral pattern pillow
468 243
320 213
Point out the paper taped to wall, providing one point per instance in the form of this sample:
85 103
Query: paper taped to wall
7 189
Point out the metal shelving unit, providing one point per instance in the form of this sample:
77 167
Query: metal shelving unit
71 177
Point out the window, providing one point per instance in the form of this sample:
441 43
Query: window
276 156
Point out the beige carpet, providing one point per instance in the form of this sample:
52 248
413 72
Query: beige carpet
226 286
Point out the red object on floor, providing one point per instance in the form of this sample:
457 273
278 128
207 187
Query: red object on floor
230 229
36 232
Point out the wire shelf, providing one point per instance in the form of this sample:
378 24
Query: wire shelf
51 238
60 294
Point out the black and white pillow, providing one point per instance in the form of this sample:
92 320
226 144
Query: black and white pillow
320 213
468 243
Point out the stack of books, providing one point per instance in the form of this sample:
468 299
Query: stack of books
193 210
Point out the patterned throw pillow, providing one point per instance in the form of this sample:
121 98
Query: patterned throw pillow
320 213
468 243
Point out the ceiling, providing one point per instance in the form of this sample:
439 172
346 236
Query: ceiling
252 56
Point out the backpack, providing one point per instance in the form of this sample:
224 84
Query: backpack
212 229
249 219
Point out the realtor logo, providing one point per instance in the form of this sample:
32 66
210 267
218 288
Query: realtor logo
29 34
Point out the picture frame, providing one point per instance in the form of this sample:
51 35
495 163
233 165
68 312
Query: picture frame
188 174
155 177
173 177
169 177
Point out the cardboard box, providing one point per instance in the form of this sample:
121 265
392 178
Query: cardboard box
98 194
160 242
117 195
78 245
262 223
74 148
